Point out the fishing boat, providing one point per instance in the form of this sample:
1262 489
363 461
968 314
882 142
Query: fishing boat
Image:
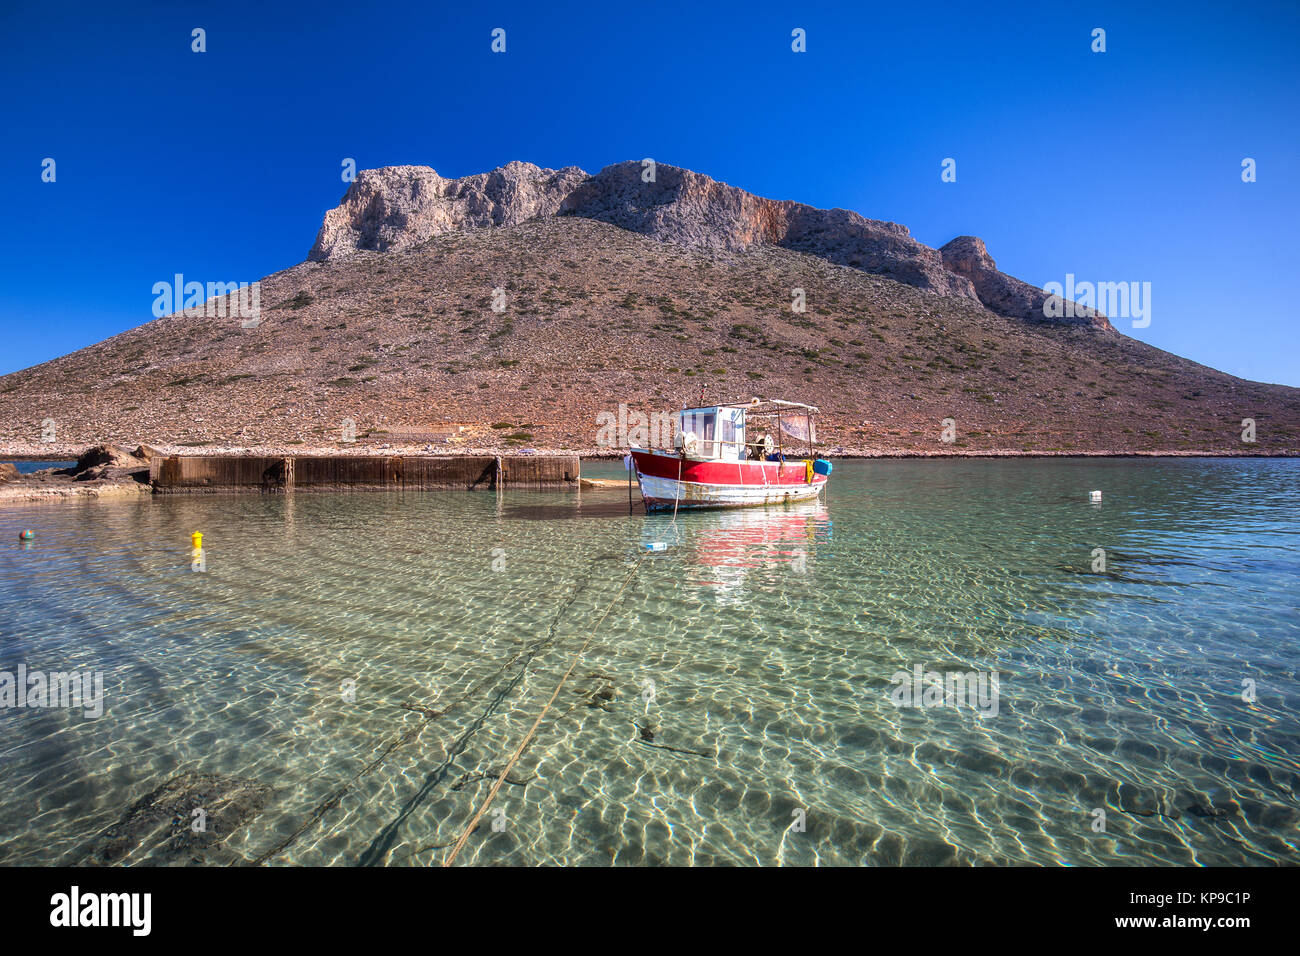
732 455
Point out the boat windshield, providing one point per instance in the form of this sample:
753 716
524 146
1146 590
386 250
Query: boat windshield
702 423
720 432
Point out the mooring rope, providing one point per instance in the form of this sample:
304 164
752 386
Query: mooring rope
532 731
379 847
678 496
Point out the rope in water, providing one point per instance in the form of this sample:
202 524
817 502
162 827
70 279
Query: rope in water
532 731
525 654
678 496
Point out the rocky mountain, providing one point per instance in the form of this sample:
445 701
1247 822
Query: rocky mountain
399 206
615 291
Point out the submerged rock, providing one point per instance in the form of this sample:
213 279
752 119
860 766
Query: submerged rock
185 820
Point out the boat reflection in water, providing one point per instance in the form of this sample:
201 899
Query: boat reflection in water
722 548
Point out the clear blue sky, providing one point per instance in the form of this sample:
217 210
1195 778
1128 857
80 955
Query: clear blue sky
1122 166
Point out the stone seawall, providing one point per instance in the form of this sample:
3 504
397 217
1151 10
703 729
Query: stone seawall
210 474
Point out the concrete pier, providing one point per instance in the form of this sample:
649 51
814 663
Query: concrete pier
211 473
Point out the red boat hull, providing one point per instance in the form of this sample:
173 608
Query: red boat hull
673 481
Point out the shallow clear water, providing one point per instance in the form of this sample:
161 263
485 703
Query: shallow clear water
757 650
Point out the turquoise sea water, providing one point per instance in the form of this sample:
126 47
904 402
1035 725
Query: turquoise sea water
27 467
733 707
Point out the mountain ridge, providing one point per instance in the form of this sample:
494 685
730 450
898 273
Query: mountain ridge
391 208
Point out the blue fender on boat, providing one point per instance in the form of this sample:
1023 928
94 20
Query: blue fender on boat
822 466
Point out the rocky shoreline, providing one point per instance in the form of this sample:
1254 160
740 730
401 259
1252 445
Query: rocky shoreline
103 471
108 471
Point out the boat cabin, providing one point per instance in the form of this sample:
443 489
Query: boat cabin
719 432
745 431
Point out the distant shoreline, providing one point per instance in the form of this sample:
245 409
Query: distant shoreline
110 471
27 452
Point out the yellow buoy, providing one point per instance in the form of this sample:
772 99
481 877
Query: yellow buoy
196 539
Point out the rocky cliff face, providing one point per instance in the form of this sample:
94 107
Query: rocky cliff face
966 256
684 207
397 207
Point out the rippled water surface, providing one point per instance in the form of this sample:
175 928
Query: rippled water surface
733 707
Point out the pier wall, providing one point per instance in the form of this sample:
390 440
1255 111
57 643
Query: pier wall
211 473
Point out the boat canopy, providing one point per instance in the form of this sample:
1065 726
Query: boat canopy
768 405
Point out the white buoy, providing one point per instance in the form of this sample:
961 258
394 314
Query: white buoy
1094 496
